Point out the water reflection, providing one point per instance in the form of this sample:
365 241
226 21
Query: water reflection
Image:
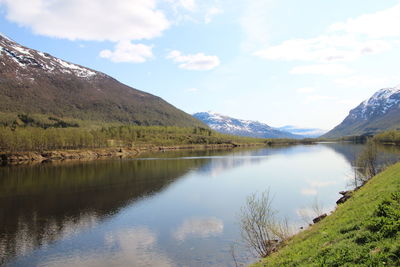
387 154
218 160
178 210
198 228
130 247
45 203
313 187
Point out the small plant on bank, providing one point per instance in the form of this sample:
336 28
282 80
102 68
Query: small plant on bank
367 161
261 230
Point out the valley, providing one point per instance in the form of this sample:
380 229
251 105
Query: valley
110 154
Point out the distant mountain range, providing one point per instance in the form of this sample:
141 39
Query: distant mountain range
380 112
305 132
229 125
34 82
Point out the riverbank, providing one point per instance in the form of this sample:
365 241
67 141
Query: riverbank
113 152
365 230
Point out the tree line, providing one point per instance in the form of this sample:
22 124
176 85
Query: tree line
39 139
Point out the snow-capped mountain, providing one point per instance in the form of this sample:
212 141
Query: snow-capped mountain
229 125
378 113
305 132
23 59
37 83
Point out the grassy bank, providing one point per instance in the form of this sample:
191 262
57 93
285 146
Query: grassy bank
363 231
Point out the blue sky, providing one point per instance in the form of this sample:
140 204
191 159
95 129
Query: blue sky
281 62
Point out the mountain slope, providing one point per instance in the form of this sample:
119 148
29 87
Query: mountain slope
38 83
228 125
380 112
305 132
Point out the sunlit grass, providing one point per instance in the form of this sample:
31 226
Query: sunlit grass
345 238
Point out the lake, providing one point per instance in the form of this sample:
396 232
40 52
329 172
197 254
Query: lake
163 209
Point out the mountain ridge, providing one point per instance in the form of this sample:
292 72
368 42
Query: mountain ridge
303 131
228 125
35 82
378 113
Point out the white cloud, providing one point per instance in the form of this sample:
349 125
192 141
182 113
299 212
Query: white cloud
255 23
322 69
210 13
193 11
198 61
305 90
323 49
125 51
376 25
192 90
343 41
90 19
188 4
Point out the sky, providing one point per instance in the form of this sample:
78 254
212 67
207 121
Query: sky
281 62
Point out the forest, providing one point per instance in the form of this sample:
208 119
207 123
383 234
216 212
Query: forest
31 138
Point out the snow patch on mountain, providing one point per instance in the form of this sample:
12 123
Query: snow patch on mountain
26 57
379 104
5 37
379 113
22 50
81 72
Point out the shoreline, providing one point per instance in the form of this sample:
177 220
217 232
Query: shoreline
27 157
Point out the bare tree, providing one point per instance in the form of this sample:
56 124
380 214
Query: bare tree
367 161
232 250
313 210
261 230
317 207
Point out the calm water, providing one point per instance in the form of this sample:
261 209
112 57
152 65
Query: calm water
165 209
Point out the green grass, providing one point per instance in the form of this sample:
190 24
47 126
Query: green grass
364 231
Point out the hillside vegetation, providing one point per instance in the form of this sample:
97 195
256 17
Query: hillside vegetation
24 132
388 137
39 139
33 82
363 231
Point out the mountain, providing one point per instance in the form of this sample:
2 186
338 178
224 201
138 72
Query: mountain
228 125
34 82
380 112
305 132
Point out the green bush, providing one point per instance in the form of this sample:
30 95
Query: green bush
386 220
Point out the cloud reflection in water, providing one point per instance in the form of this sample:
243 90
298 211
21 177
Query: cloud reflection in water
131 247
199 227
